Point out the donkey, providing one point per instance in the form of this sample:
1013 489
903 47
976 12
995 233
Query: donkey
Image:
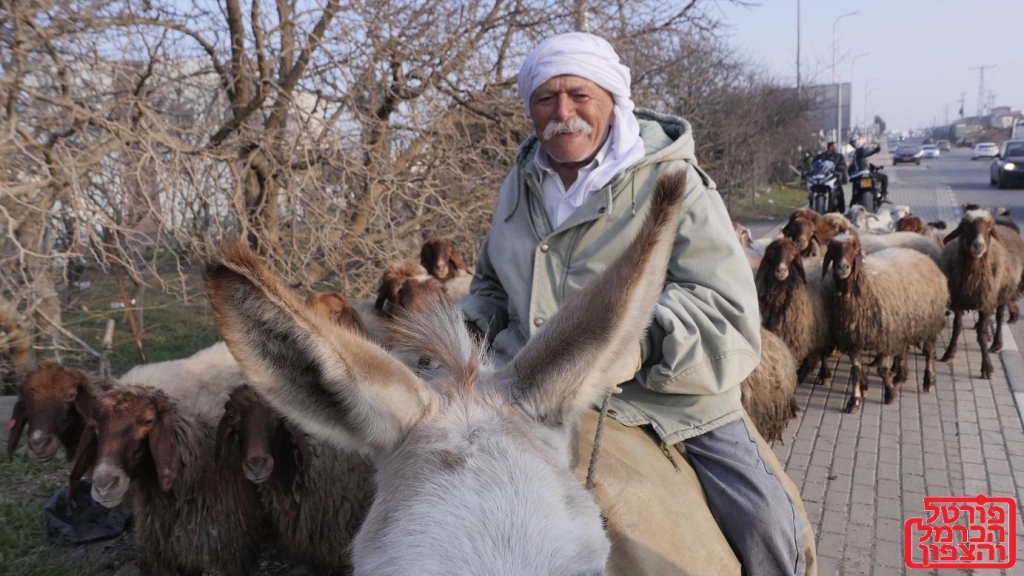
473 472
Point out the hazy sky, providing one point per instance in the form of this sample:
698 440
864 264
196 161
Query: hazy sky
920 51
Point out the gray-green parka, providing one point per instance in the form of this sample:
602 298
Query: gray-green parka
705 336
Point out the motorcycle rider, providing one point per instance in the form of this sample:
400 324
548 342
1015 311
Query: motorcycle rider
832 154
860 163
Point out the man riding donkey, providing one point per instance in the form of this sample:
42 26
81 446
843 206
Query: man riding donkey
567 209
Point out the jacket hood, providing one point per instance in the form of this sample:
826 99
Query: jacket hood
665 138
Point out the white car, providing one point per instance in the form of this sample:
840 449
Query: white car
929 151
985 150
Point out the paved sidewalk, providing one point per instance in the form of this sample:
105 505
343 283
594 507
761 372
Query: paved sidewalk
863 475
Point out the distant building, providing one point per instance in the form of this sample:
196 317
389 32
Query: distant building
823 116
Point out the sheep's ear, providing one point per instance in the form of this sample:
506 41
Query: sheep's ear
826 262
954 234
763 274
164 449
566 366
225 438
19 418
298 441
815 245
85 457
336 384
798 267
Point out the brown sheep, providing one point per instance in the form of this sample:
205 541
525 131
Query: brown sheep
983 263
767 393
871 309
402 285
46 406
337 307
439 257
833 225
188 517
794 308
805 235
316 495
918 226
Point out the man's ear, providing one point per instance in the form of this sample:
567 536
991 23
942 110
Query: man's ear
565 367
336 383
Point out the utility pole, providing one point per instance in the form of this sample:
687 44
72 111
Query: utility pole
798 47
963 98
981 86
991 100
839 87
947 115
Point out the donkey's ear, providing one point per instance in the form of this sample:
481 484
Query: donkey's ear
565 367
16 426
335 383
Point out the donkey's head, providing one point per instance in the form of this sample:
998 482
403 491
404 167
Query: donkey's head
473 471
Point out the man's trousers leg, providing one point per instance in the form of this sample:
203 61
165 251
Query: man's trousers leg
748 495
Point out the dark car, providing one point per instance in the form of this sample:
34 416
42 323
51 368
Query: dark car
1008 167
907 153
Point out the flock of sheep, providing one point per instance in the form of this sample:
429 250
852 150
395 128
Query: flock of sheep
882 284
209 469
206 466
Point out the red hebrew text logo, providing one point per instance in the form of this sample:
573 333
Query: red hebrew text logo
963 532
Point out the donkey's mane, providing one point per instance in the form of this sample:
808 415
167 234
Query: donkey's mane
438 333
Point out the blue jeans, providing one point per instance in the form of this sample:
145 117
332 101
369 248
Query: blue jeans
757 516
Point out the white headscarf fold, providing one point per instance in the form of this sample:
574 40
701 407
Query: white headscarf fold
592 58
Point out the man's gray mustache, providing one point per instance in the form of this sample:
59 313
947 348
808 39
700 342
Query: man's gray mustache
574 125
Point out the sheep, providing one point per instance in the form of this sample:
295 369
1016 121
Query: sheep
916 225
202 379
188 517
315 494
872 243
871 309
861 217
834 224
337 307
767 393
440 259
754 247
46 406
399 285
898 211
793 306
746 241
1000 215
982 275
804 234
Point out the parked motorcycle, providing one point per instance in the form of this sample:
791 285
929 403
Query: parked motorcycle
823 187
866 188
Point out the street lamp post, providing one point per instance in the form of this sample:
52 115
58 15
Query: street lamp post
866 84
866 95
839 88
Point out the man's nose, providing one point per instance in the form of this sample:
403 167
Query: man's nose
565 108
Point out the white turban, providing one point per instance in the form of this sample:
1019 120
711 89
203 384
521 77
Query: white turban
592 58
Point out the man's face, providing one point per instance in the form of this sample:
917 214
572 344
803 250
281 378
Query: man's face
571 116
831 148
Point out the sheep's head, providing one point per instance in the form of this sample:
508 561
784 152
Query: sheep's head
834 224
976 230
805 214
46 406
912 224
267 442
130 435
899 211
845 255
803 233
439 257
336 306
742 234
399 285
781 261
462 441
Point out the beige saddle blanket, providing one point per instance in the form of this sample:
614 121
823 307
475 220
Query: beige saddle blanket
658 519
